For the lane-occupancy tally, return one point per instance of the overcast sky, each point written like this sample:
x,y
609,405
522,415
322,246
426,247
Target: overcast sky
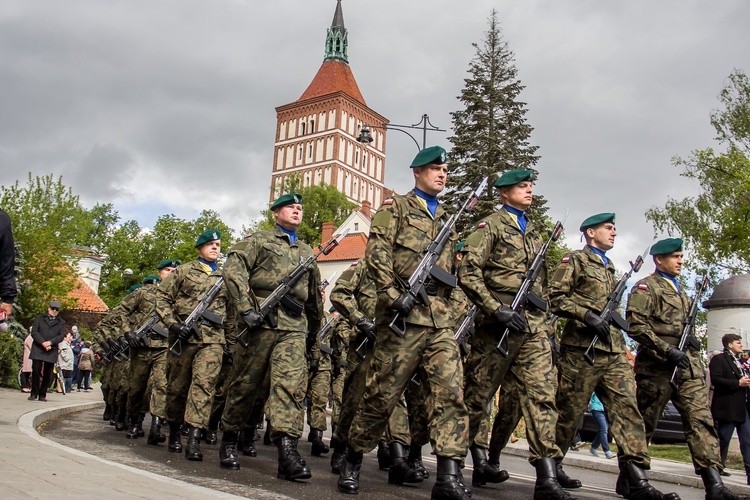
x,y
168,106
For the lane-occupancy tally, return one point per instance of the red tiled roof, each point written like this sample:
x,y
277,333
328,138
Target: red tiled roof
x,y
351,248
87,299
333,76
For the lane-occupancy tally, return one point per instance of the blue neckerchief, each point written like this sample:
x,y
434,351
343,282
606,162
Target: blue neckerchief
x,y
292,234
520,216
431,201
671,278
213,265
600,253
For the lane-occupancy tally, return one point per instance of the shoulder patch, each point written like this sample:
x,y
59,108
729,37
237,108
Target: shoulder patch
x,y
481,225
354,264
388,201
382,219
643,286
565,259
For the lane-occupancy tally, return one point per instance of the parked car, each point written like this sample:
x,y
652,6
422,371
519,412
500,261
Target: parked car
x,y
668,429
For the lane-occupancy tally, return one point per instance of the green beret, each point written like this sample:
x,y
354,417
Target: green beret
x,y
597,219
208,236
286,199
168,263
332,309
134,288
150,279
460,246
666,246
433,154
513,177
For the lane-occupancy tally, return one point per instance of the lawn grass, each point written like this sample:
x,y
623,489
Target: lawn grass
x,y
681,453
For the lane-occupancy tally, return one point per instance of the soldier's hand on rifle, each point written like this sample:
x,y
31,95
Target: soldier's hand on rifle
x,y
598,325
404,304
179,330
510,319
677,357
367,328
123,342
252,319
314,365
132,340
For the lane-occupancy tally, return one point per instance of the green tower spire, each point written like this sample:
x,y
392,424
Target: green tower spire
x,y
336,38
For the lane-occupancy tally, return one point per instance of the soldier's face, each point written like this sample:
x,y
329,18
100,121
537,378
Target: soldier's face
x,y
166,271
518,196
210,251
602,236
431,178
289,216
670,264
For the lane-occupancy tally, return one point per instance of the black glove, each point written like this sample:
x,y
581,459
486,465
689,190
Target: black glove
x,y
367,327
179,330
404,304
510,319
227,356
252,319
132,340
598,325
677,357
314,365
123,343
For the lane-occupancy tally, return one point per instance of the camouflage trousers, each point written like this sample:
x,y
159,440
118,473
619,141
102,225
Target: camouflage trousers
x,y
434,355
105,378
337,390
612,379
419,407
509,413
691,400
319,388
529,365
118,384
220,395
148,367
192,383
280,355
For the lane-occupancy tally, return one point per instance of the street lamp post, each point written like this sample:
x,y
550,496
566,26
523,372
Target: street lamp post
x,y
424,125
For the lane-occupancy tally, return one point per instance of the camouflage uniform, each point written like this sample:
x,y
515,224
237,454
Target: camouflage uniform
x,y
339,364
319,384
193,374
258,264
400,232
656,311
583,283
497,256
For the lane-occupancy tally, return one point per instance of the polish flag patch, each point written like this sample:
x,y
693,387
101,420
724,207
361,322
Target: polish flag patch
x,y
388,201
643,286
565,259
481,225
354,264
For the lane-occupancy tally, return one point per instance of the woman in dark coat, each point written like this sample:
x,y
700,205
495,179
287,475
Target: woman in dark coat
x,y
47,332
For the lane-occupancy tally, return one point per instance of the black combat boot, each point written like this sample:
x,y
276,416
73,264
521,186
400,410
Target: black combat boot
x,y
228,458
267,434
338,457
193,448
415,460
318,446
447,485
121,418
546,486
113,415
139,425
399,471
211,436
154,434
291,465
384,456
247,443
632,483
132,427
715,489
564,480
349,474
107,412
484,472
175,443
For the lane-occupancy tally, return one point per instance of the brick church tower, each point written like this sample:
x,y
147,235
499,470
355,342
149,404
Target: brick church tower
x,y
316,135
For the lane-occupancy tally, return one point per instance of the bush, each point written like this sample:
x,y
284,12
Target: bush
x,y
11,354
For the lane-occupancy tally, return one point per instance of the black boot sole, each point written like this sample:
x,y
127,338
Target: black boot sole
x,y
295,477
230,466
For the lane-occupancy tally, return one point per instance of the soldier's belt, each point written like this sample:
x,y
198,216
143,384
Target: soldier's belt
x,y
437,290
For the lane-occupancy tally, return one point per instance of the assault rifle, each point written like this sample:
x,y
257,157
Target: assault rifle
x,y
149,328
360,350
280,295
325,332
609,314
199,315
465,329
688,339
324,284
525,295
427,269
117,350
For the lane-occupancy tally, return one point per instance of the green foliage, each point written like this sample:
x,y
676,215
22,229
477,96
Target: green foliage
x,y
11,353
491,134
715,224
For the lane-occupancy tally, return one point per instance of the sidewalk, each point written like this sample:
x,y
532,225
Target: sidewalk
x,y
661,470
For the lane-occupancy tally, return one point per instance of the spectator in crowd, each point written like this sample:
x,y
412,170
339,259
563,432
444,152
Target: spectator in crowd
x,y
65,360
602,437
8,290
85,366
26,365
76,344
47,332
729,402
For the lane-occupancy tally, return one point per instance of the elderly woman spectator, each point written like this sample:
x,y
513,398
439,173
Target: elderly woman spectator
x,y
65,360
85,366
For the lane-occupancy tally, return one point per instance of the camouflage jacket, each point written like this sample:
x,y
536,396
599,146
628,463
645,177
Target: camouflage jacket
x,y
138,307
582,283
180,293
256,266
354,295
401,231
495,263
656,312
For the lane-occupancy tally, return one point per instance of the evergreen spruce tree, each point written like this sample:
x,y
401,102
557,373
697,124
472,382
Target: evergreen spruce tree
x,y
491,135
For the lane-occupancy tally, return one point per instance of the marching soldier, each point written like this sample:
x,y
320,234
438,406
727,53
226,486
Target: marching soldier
x,y
579,290
319,386
194,372
498,254
401,231
255,267
657,311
